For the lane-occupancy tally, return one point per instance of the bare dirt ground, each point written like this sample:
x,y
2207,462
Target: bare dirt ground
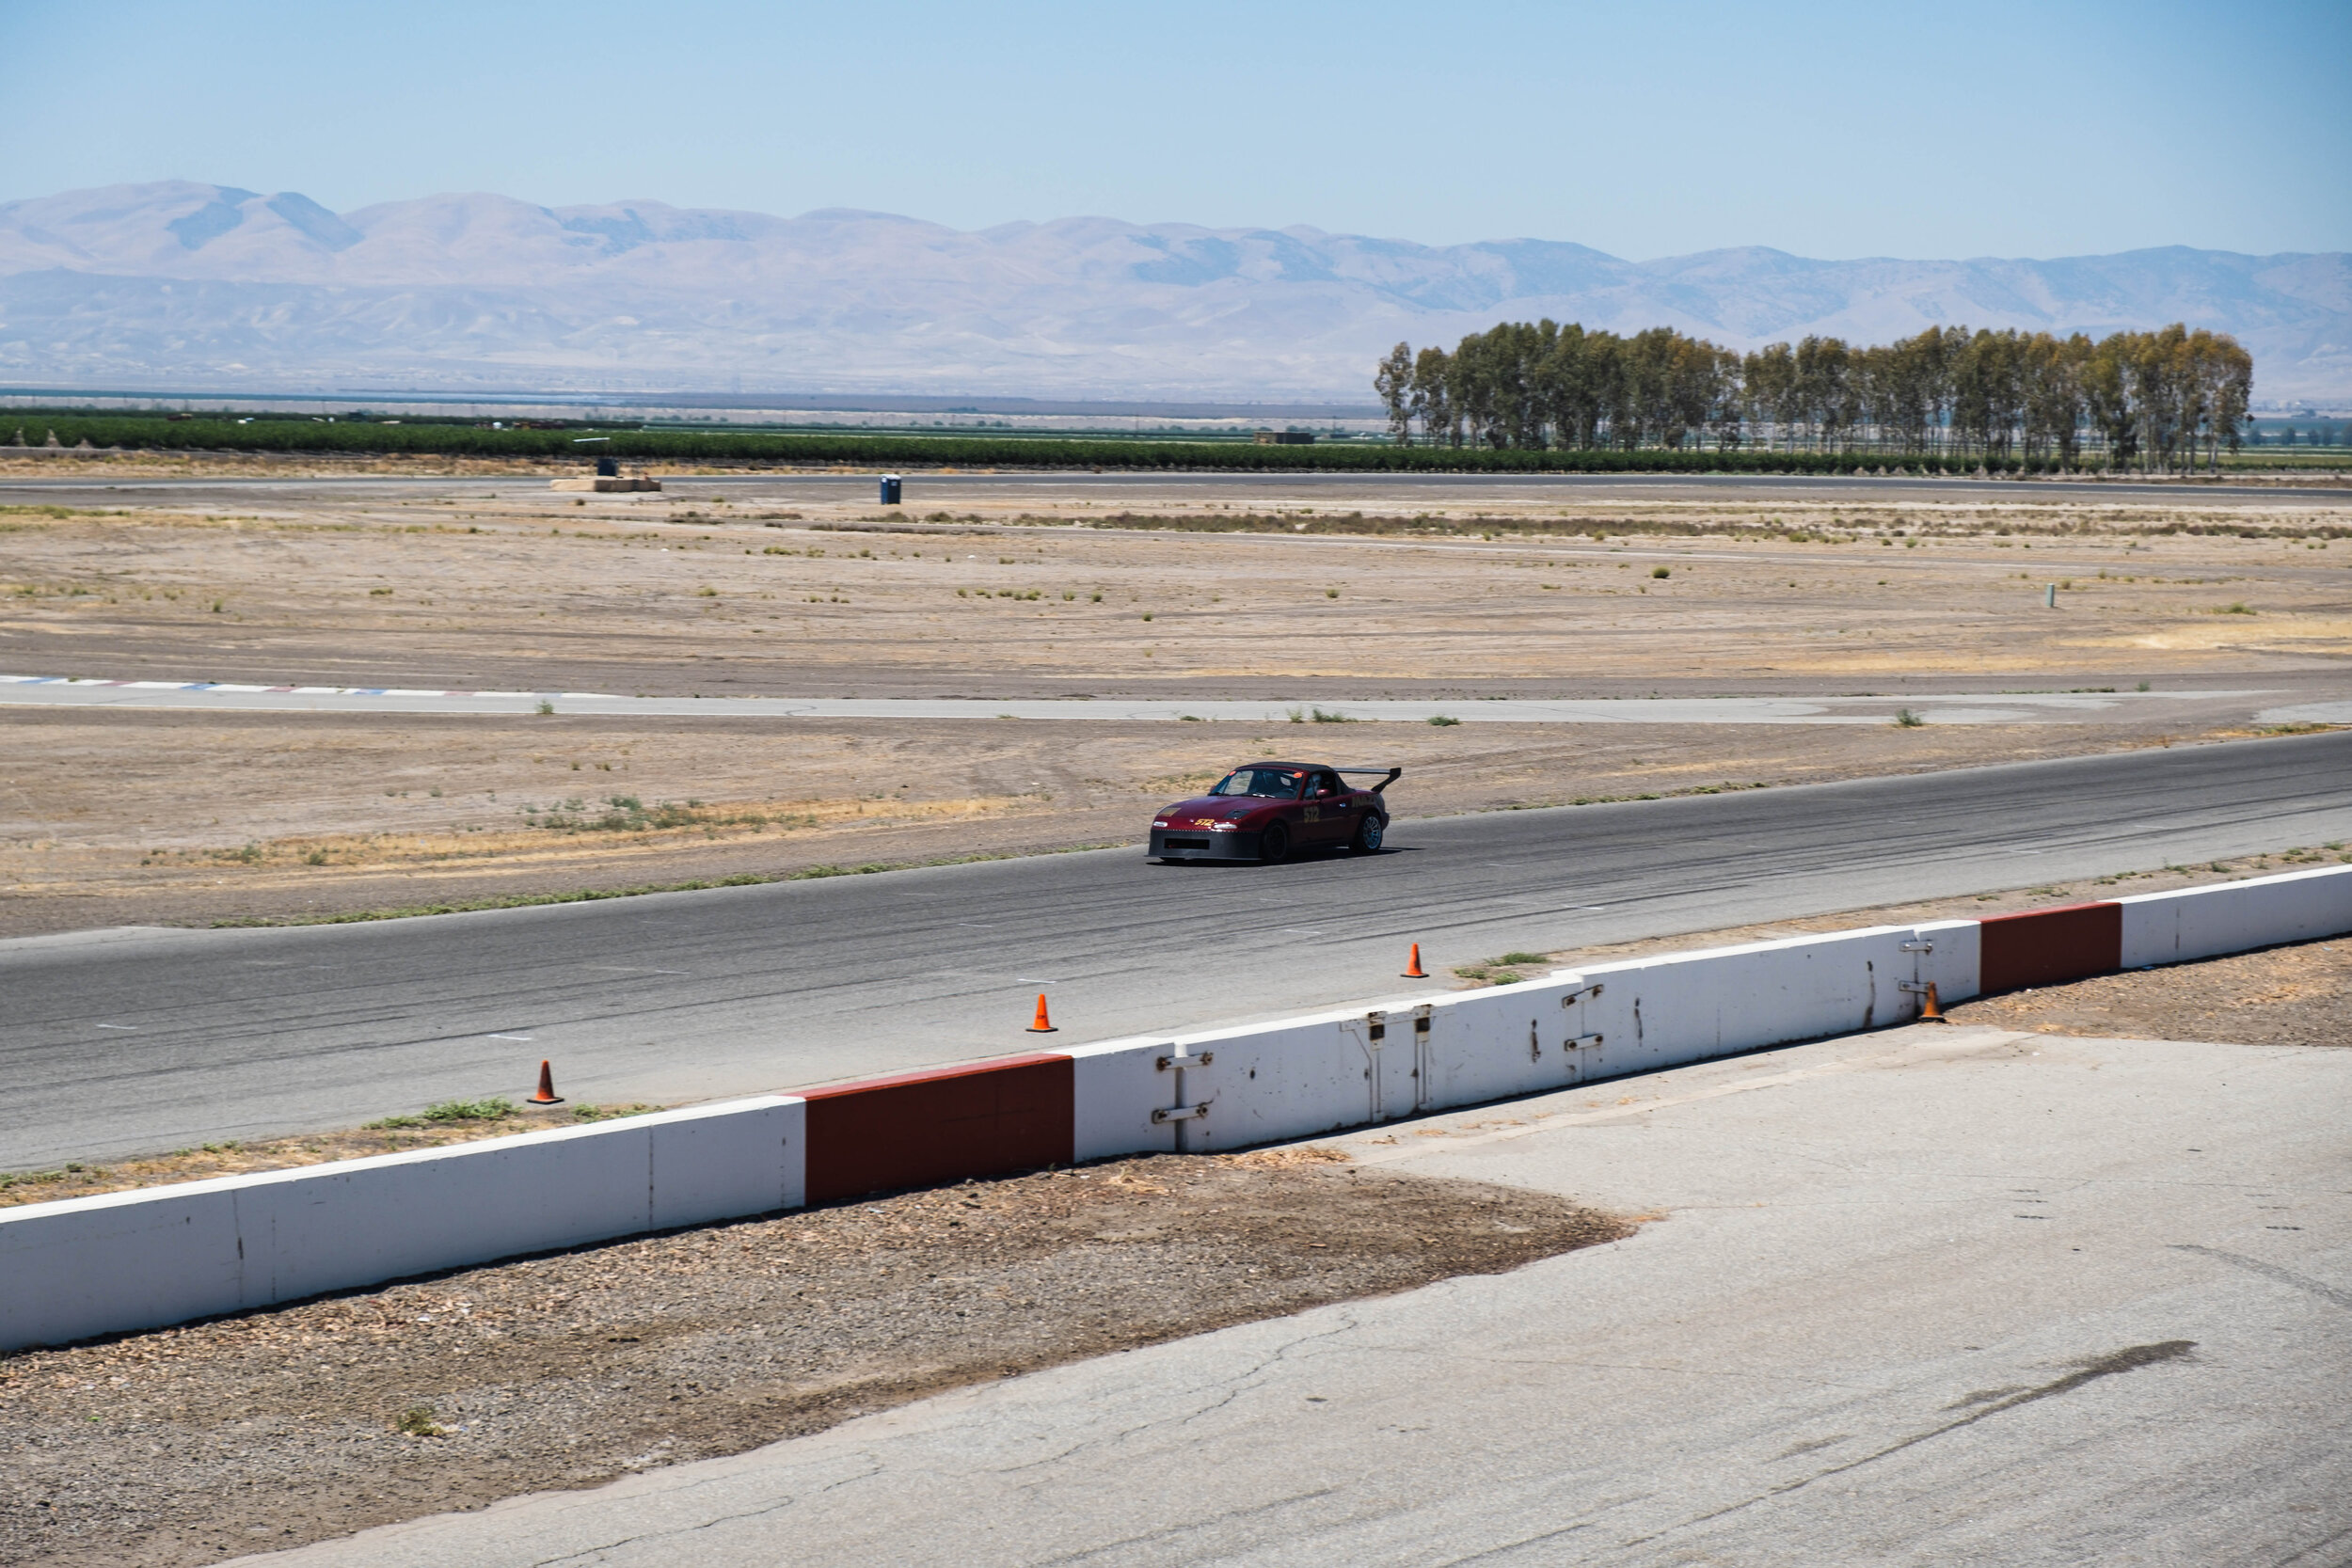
x,y
192,1445
2277,996
123,817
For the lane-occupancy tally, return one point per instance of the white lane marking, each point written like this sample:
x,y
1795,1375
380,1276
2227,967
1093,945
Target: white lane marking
x,y
523,1039
133,1028
637,969
1301,931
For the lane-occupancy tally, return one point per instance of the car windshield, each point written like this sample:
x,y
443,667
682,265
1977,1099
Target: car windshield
x,y
1274,783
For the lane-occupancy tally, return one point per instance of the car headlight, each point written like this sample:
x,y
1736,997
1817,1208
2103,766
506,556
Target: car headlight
x,y
1223,827
1158,824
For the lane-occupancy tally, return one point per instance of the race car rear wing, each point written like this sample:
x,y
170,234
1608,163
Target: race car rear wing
x,y
1393,774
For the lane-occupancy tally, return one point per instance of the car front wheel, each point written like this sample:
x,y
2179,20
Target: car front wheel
x,y
1368,836
1274,844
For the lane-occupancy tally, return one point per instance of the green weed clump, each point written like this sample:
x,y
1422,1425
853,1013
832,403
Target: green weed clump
x,y
1504,971
628,814
417,1422
451,1113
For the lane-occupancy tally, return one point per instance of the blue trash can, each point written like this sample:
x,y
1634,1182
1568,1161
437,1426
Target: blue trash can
x,y
890,489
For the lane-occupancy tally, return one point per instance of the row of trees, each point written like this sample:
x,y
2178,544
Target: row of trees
x,y
2156,400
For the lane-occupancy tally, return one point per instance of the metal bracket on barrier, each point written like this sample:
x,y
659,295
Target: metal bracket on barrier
x,y
1176,1060
1581,1043
1580,993
1918,947
1917,987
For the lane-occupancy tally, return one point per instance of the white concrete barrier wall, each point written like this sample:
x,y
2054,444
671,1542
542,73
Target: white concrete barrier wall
x,y
1264,1082
1681,1008
1114,1088
1289,1079
1491,1044
2233,917
158,1256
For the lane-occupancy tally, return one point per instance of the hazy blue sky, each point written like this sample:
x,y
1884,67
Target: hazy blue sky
x,y
1957,129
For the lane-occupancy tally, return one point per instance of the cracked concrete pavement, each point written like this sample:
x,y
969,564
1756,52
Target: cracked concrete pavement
x,y
1915,1296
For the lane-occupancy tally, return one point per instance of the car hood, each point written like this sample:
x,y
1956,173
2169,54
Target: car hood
x,y
1219,808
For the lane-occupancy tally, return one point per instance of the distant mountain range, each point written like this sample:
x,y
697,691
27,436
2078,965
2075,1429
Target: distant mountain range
x,y
207,286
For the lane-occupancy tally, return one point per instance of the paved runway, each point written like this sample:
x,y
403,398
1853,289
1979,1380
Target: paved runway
x,y
129,1041
1918,1297
2191,709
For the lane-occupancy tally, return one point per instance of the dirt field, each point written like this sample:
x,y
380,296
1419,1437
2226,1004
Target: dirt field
x,y
212,817
192,1445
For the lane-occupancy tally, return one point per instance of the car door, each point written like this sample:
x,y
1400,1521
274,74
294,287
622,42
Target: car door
x,y
1327,817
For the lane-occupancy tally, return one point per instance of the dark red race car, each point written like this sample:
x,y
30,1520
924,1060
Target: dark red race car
x,y
1270,811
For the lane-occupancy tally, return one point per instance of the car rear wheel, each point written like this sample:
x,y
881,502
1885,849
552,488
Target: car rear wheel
x,y
1274,844
1368,834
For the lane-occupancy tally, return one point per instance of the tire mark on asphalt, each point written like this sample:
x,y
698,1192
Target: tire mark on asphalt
x,y
2129,1359
2272,1270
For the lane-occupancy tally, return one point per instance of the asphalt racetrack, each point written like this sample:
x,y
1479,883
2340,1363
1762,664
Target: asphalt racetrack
x,y
131,1041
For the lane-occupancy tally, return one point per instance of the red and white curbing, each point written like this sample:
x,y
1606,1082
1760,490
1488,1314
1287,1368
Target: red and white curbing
x,y
144,1258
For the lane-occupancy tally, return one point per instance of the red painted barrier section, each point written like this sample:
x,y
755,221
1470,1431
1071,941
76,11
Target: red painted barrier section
x,y
925,1129
2044,947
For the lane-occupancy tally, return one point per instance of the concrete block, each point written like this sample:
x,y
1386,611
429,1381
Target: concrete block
x,y
947,1124
2048,947
1115,1087
1952,958
1295,1079
727,1162
1505,1040
359,1222
119,1261
165,1255
2234,917
1683,1008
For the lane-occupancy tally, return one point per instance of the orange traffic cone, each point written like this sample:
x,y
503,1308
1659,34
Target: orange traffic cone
x,y
547,1095
1929,1011
1043,1025
1413,970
